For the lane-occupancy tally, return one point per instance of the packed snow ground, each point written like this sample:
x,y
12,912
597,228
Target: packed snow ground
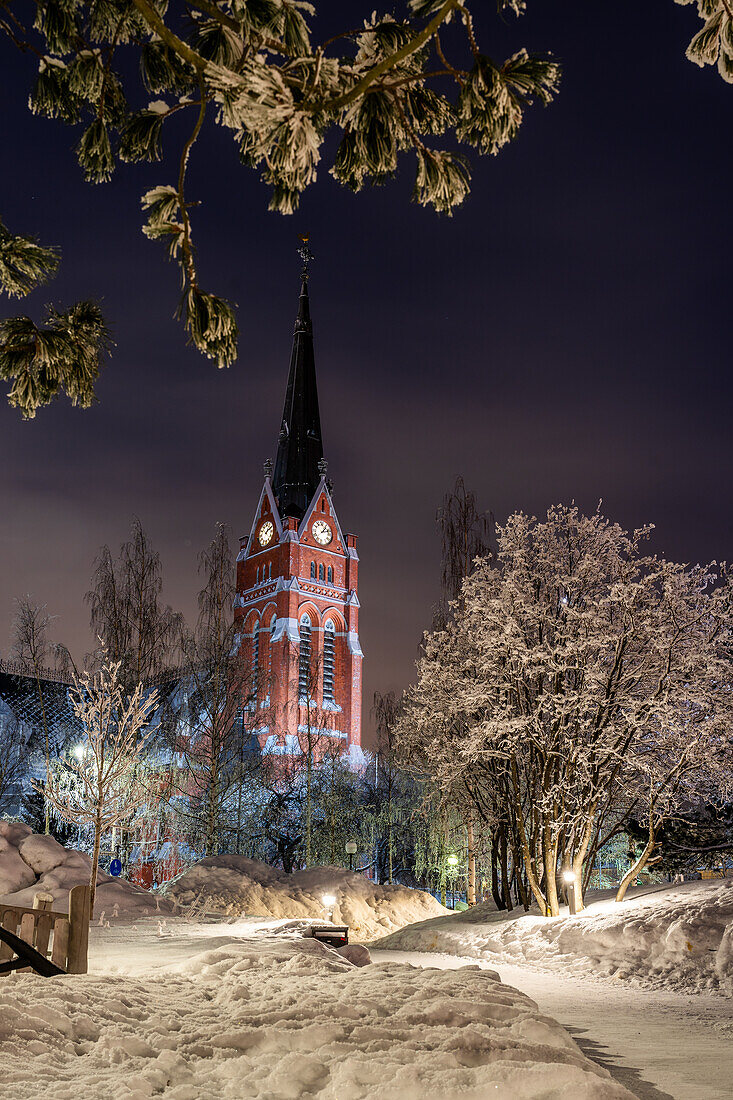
x,y
671,937
659,1044
236,885
253,1010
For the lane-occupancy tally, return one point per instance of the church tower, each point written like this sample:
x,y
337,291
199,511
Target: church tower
x,y
296,607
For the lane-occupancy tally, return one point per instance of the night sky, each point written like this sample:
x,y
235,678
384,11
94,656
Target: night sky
x,y
566,335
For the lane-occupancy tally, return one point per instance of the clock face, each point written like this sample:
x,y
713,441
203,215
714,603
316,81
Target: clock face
x,y
321,532
266,532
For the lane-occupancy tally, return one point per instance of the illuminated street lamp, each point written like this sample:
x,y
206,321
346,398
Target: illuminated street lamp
x,y
570,879
329,902
79,751
452,864
351,851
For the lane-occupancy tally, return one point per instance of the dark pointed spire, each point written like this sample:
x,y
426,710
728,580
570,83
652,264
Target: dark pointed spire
x,y
300,446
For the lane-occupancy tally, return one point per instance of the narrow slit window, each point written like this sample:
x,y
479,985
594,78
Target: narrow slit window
x,y
313,570
321,572
330,574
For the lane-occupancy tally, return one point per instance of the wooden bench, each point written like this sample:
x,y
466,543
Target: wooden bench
x,y
29,938
335,935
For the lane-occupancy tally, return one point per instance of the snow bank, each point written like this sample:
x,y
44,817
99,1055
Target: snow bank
x,y
31,863
675,937
277,1019
239,886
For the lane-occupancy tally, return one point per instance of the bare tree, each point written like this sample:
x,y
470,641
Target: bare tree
x,y
31,647
311,733
139,631
208,726
466,534
385,710
98,786
14,750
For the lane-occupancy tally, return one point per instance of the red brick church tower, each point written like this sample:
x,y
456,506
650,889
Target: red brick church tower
x,y
296,606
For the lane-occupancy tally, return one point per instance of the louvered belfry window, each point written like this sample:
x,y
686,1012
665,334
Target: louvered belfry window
x,y
304,663
329,662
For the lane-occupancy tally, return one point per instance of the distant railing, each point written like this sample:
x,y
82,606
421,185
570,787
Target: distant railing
x,y
21,668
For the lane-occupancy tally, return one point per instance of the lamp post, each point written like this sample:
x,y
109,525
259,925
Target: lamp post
x,y
570,879
350,851
329,903
452,862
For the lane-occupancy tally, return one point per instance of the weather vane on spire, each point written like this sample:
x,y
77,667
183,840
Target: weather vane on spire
x,y
306,255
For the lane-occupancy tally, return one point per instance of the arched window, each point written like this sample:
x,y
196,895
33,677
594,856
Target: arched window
x,y
321,572
313,570
269,572
304,660
330,574
329,661
257,580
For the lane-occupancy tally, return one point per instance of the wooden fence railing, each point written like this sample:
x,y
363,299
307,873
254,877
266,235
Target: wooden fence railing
x,y
62,937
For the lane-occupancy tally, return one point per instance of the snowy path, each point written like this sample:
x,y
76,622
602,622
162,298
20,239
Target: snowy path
x,y
660,1045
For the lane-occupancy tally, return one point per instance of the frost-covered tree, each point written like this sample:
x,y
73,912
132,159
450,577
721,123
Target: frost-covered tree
x,y
99,787
581,681
384,89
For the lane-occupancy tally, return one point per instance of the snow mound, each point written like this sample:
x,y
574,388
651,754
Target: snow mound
x,y
31,863
674,937
41,853
239,886
278,1020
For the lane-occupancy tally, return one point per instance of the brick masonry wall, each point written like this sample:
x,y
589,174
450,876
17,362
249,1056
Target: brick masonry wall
x,y
276,580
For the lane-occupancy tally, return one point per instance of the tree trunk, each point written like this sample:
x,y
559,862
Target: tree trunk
x,y
532,879
47,808
579,857
495,887
505,884
471,845
640,863
95,863
308,808
211,822
549,856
